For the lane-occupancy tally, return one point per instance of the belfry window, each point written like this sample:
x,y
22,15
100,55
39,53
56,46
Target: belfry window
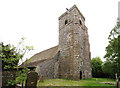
x,y
80,22
66,21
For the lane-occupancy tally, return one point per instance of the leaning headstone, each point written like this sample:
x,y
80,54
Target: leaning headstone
x,y
96,80
42,79
32,78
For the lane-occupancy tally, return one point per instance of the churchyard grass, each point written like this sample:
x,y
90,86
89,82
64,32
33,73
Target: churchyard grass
x,y
84,82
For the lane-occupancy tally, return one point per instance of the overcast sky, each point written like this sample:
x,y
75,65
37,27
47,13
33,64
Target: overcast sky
x,y
37,20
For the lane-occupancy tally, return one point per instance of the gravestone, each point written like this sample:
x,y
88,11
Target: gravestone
x,y
42,79
32,78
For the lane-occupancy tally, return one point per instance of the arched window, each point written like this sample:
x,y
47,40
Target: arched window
x,y
66,21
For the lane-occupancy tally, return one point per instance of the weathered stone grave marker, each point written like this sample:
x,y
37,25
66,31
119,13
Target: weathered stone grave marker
x,y
42,79
32,78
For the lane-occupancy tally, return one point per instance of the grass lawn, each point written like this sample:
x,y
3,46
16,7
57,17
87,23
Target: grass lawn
x,y
84,82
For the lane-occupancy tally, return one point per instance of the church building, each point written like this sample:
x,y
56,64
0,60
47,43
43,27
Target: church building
x,y
71,58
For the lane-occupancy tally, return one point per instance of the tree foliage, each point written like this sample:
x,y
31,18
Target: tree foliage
x,y
97,67
11,56
113,52
109,69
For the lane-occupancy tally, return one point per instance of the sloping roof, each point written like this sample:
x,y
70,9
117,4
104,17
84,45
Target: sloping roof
x,y
71,10
41,57
49,53
31,64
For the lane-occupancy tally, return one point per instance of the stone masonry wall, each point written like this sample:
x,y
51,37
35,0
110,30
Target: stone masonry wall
x,y
75,60
65,46
46,68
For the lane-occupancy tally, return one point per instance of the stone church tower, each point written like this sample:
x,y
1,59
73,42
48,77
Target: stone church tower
x,y
71,58
74,47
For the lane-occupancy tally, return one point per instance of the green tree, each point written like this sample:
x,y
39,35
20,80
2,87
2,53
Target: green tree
x,y
97,67
11,56
109,69
113,50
